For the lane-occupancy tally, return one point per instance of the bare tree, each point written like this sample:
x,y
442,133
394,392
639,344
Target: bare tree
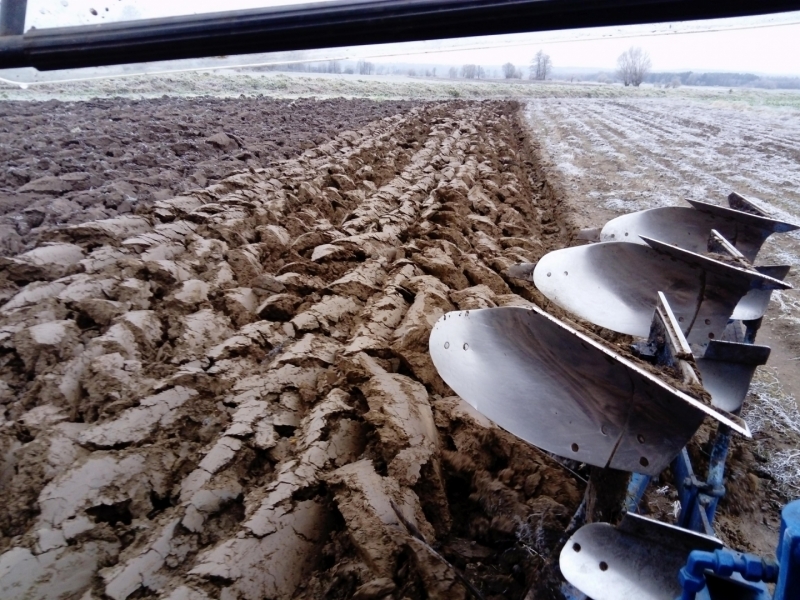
x,y
364,67
541,65
453,72
509,70
334,66
469,71
633,65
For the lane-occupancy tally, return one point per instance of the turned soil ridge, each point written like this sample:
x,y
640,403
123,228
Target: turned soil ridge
x,y
226,393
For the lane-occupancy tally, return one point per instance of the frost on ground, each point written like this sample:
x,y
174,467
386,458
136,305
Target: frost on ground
x,y
224,396
773,412
610,157
637,154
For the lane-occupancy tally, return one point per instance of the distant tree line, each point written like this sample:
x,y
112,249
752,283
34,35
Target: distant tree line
x,y
540,68
728,80
364,67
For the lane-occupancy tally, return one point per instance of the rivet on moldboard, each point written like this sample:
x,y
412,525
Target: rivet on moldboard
x,y
466,346
549,274
575,447
446,345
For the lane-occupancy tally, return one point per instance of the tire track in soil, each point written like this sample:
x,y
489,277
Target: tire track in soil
x,y
222,397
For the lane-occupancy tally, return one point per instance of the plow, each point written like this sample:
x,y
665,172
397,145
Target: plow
x,y
692,300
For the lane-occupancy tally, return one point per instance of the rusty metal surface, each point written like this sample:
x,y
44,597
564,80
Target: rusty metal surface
x,y
563,392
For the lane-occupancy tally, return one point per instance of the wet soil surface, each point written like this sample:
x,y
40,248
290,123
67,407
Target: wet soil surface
x,y
71,162
229,394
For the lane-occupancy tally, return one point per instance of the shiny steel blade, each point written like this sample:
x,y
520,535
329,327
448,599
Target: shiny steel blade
x,y
755,302
689,227
563,392
638,560
727,368
616,284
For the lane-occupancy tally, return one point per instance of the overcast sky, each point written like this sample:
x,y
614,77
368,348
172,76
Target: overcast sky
x,y
754,44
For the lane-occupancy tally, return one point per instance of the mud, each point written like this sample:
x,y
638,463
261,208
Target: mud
x,y
71,162
224,395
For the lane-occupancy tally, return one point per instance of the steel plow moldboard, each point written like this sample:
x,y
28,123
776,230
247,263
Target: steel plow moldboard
x,y
689,227
562,391
615,285
639,559
754,304
727,369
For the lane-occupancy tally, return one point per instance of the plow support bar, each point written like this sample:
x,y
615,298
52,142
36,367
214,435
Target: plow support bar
x,y
341,23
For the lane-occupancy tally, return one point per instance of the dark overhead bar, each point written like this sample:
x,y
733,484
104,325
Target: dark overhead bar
x,y
342,23
12,16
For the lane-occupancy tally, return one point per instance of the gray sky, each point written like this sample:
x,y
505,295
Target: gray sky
x,y
768,44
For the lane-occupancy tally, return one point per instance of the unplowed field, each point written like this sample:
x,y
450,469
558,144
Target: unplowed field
x,y
225,394
608,158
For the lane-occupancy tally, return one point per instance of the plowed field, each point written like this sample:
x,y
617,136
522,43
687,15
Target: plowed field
x,y
214,322
225,394
70,162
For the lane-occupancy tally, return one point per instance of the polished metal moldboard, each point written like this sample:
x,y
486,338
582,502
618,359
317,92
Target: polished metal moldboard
x,y
616,284
727,368
755,302
564,392
638,560
682,226
750,216
689,227
721,280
